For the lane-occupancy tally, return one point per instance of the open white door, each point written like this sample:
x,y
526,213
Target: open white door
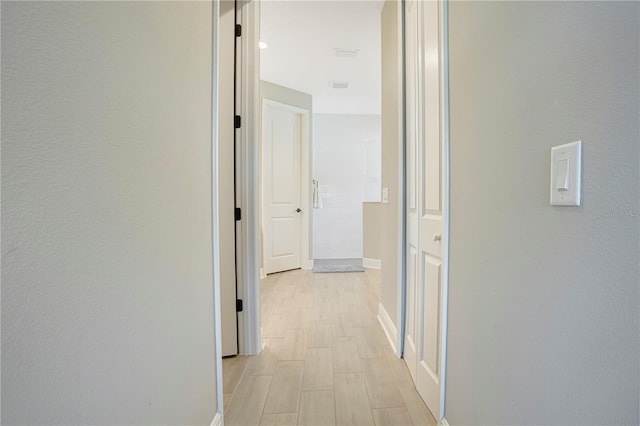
x,y
426,200
282,137
411,339
431,215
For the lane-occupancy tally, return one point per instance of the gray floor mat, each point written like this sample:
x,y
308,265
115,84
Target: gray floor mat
x,y
337,265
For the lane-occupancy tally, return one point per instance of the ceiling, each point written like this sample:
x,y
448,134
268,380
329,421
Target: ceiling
x,y
302,36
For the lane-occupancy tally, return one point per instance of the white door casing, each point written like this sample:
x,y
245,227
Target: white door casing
x,y
283,139
247,176
427,139
225,190
419,257
215,220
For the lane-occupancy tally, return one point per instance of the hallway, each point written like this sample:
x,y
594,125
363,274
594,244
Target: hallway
x,y
326,360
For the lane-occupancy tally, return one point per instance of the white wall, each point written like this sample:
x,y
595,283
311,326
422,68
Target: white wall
x,y
338,166
372,170
543,301
107,301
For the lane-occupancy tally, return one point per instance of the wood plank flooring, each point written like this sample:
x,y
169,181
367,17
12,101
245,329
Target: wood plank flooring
x,y
326,359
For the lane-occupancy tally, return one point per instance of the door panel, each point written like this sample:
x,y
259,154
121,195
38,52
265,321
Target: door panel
x,y
431,317
412,219
423,343
430,244
432,151
282,140
283,145
410,351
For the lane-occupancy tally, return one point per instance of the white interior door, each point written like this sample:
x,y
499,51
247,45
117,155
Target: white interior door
x,y
429,372
282,144
426,197
412,134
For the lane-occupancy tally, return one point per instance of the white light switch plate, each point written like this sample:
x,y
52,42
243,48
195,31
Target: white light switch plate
x,y
385,195
566,165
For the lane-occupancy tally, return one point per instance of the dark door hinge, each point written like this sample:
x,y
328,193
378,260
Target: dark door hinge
x,y
238,213
238,305
238,30
238,121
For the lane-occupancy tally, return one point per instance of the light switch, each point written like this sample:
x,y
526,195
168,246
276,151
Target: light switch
x,y
565,174
385,195
562,175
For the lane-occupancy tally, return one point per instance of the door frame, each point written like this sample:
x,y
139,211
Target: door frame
x,y
248,265
247,177
444,125
215,240
305,175
401,301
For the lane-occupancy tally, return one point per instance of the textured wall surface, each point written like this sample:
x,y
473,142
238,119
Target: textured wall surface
x,y
544,301
107,301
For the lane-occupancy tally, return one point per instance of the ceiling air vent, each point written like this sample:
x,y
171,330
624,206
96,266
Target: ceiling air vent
x,y
345,53
339,84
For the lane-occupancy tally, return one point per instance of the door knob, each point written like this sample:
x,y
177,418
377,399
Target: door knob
x,y
437,237
298,210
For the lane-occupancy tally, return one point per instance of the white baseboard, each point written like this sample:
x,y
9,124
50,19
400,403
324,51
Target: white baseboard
x,y
444,422
217,419
371,263
263,275
308,264
387,325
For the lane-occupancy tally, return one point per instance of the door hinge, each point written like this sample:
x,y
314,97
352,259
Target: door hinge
x,y
238,305
238,30
238,121
238,213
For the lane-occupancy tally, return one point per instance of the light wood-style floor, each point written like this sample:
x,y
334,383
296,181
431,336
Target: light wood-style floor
x,y
326,359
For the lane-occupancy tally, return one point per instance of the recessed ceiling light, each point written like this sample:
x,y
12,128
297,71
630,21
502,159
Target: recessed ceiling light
x,y
263,45
345,53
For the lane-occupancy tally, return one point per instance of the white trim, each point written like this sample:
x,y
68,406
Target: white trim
x,y
443,422
217,419
263,275
306,193
388,326
371,263
249,335
215,220
402,194
305,174
308,264
444,70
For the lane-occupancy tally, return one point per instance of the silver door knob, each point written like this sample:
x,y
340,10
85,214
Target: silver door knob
x,y
298,210
437,237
